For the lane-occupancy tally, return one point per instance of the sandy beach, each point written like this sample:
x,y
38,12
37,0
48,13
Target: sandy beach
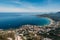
x,y
51,22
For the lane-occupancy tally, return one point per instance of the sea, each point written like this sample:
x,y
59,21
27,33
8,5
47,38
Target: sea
x,y
16,20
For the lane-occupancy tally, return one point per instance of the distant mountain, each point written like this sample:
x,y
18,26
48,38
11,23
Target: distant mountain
x,y
58,12
54,16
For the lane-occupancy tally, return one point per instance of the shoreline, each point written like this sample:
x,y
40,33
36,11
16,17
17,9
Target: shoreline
x,y
51,21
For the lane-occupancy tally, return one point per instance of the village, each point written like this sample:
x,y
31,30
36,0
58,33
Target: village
x,y
32,32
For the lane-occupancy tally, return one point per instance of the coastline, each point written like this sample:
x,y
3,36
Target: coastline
x,y
51,22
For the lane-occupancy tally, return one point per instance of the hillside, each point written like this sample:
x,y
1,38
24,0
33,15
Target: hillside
x,y
54,16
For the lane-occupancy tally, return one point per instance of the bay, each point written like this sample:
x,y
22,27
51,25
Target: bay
x,y
16,20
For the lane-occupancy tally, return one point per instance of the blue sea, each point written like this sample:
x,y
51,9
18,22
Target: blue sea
x,y
16,20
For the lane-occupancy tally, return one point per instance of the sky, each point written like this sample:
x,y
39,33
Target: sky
x,y
29,5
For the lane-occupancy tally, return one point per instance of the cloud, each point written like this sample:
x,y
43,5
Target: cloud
x,y
4,9
28,6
